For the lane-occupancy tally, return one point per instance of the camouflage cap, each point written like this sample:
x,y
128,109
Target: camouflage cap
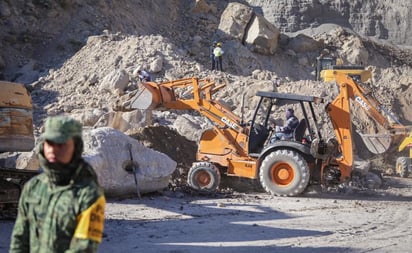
x,y
59,129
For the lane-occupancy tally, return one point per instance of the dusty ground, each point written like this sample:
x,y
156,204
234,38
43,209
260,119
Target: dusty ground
x,y
177,222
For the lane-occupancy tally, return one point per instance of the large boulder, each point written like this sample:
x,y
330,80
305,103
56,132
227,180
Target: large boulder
x,y
354,51
238,21
117,80
262,36
234,21
107,150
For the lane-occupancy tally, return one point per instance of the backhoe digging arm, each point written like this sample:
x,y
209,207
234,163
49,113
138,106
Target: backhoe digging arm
x,y
340,114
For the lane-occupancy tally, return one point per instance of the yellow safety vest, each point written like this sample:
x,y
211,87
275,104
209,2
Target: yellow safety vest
x,y
218,52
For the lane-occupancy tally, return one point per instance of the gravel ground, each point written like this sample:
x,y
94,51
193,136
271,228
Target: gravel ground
x,y
179,222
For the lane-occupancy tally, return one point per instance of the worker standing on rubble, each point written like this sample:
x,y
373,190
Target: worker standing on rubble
x,y
276,82
218,54
61,209
212,56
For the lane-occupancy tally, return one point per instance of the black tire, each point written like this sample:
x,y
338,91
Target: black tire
x,y
203,176
284,173
402,166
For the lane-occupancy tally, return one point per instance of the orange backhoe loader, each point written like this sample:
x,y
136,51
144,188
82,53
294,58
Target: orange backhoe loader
x,y
284,167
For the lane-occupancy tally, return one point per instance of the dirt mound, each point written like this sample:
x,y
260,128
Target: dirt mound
x,y
169,142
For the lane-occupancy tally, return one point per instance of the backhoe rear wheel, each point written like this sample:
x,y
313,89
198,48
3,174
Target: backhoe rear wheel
x,y
402,166
284,173
203,176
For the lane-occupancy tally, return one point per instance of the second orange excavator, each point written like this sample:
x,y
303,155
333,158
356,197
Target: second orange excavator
x,y
237,148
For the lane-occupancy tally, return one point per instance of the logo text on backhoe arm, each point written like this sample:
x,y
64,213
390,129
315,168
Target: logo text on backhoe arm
x,y
362,103
230,123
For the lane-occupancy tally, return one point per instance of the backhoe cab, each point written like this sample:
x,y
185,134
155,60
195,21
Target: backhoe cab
x,y
326,66
285,167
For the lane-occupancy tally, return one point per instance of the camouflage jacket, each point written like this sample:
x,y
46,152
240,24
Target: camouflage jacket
x,y
54,218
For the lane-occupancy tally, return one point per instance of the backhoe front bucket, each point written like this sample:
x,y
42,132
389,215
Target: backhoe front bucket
x,y
151,95
142,100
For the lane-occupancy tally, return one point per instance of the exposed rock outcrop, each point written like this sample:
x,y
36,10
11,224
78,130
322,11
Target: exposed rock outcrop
x,y
387,20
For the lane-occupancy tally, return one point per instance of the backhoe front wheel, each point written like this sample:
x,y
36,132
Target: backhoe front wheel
x,y
284,173
203,176
402,166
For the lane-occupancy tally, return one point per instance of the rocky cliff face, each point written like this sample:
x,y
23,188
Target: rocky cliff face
x,y
386,20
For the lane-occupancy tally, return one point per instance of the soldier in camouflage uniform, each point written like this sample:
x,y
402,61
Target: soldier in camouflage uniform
x,y
61,209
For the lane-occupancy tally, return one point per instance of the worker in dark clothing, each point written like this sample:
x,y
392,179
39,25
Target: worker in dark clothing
x,y
212,56
286,132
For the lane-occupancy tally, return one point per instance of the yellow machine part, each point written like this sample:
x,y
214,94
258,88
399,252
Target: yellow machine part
x,y
14,95
16,118
328,75
407,142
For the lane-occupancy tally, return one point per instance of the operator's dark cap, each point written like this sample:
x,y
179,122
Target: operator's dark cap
x,y
60,129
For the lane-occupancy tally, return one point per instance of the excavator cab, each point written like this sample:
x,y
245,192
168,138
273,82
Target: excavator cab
x,y
322,64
